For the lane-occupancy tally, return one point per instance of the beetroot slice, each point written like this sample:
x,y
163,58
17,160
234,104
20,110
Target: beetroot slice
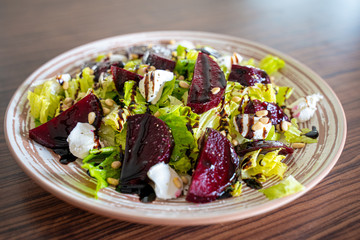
x,y
242,149
216,168
53,134
248,76
276,114
120,76
148,142
207,76
160,62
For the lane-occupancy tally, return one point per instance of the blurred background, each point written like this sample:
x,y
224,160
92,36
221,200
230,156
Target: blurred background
x,y
323,34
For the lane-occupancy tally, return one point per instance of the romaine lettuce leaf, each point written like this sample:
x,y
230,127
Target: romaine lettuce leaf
x,y
271,64
45,100
294,135
237,189
286,187
262,92
265,166
99,166
106,88
133,99
178,117
283,93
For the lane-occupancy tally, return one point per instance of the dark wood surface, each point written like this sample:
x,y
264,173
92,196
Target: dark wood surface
x,y
325,35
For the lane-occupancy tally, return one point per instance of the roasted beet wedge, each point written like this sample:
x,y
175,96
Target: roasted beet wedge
x,y
276,114
216,168
207,77
242,149
120,76
148,142
160,62
248,76
54,133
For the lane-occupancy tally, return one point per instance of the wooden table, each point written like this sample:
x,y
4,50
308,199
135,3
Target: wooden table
x,y
324,35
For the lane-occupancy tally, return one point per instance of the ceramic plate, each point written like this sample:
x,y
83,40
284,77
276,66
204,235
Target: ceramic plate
x,y
72,184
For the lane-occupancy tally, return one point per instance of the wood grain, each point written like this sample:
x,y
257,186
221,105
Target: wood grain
x,y
322,34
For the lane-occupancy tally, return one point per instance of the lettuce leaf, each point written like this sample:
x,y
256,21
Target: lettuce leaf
x,y
117,118
132,65
237,189
177,118
133,99
273,135
185,63
282,94
80,84
106,88
209,119
45,100
271,64
294,135
286,187
98,163
262,92
265,166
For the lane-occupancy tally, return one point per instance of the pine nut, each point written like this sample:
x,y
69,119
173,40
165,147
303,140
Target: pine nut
x,y
112,181
285,125
257,126
116,164
235,142
236,99
106,111
262,113
109,102
181,77
177,182
65,85
215,90
223,133
172,42
264,120
184,84
298,145
68,101
184,180
134,56
157,114
91,117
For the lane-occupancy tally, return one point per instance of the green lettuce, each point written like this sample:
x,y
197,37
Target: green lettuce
x,y
273,135
133,99
132,65
286,187
209,119
237,189
178,117
98,162
185,63
45,100
117,118
265,166
294,135
271,64
80,84
262,92
106,88
250,62
283,93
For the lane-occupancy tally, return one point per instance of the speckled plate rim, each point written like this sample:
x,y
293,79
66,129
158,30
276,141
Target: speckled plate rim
x,y
125,214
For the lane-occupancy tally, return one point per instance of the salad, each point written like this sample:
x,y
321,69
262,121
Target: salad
x,y
171,120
